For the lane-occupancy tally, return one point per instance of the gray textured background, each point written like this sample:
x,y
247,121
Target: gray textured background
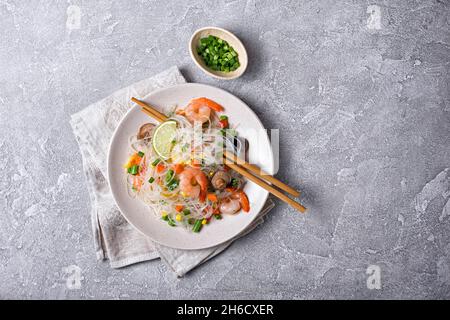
x,y
364,113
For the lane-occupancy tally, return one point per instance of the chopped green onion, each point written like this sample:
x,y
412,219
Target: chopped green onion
x,y
218,54
197,225
151,180
223,117
165,218
154,163
186,212
134,170
173,185
140,154
234,182
171,222
169,176
218,216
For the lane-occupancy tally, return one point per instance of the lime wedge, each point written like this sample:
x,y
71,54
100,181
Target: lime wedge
x,y
163,136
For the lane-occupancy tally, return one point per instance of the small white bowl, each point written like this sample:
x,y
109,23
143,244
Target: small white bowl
x,y
228,37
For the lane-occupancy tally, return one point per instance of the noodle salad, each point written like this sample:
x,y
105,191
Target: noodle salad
x,y
177,167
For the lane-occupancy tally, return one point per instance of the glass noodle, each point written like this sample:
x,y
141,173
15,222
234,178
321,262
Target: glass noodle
x,y
192,144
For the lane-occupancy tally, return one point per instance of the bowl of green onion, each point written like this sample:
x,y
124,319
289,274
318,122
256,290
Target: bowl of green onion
x,y
218,52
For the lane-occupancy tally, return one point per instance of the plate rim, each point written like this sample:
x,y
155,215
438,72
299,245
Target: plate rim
x,y
115,134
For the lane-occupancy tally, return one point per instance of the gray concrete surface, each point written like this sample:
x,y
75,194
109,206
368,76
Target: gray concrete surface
x,y
359,89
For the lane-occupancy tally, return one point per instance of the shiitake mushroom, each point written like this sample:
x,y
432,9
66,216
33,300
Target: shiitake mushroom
x,y
220,180
145,131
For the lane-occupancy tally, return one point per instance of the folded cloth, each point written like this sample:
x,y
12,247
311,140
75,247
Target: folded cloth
x,y
114,238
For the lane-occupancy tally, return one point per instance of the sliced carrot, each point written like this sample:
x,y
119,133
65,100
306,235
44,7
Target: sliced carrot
x,y
179,207
243,199
178,168
212,197
133,160
160,167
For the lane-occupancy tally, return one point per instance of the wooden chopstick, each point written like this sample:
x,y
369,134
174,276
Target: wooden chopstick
x,y
148,113
155,113
257,172
266,186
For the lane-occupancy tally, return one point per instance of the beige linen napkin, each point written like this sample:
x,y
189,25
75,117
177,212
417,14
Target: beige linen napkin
x,y
115,239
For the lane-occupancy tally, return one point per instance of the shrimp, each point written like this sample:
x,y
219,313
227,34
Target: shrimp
x,y
230,206
193,183
235,202
242,198
199,109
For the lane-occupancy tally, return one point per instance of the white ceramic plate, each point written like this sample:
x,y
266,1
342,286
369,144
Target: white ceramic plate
x,y
140,215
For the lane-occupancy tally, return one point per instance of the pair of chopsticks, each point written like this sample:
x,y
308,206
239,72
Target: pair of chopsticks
x,y
250,171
